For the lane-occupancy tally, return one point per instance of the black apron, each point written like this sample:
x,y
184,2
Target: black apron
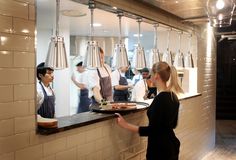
x,y
105,84
47,108
121,95
84,101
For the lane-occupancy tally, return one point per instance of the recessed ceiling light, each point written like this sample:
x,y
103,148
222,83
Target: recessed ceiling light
x,y
136,35
73,13
97,24
114,7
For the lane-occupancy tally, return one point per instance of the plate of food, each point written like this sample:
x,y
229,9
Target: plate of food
x,y
113,107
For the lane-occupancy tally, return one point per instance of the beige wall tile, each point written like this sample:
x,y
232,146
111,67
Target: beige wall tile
x,y
77,139
7,127
23,124
85,149
27,1
14,109
14,8
32,76
6,94
24,59
12,143
34,153
16,42
53,157
68,155
22,26
38,139
31,12
24,92
7,156
54,146
32,107
93,134
5,24
6,59
13,76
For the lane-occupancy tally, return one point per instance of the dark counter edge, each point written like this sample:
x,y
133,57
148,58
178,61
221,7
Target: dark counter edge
x,y
86,118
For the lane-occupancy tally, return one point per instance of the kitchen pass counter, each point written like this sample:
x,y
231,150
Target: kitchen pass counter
x,y
89,118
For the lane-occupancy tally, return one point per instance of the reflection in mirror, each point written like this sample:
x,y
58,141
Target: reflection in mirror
x,y
74,27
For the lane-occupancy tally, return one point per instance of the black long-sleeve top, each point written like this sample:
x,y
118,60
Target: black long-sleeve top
x,y
163,117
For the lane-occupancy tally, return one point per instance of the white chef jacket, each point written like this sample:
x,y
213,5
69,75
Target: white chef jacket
x,y
82,78
93,78
137,77
40,95
139,91
116,77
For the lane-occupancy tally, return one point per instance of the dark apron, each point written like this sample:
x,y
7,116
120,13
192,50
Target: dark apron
x,y
121,95
152,92
84,101
47,108
105,84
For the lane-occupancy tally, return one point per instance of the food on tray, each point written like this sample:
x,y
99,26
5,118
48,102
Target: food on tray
x,y
118,106
46,122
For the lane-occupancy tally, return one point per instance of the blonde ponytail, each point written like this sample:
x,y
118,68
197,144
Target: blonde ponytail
x,y
173,81
168,74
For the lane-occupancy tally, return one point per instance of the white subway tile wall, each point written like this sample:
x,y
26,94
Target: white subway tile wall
x,y
103,140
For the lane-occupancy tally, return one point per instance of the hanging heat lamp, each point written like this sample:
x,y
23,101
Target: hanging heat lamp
x,y
188,58
92,58
179,57
155,55
120,58
56,57
139,60
167,56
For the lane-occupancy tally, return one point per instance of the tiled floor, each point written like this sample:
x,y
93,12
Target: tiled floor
x,y
225,141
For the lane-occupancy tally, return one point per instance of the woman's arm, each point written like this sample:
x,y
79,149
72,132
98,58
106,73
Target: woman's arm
x,y
122,122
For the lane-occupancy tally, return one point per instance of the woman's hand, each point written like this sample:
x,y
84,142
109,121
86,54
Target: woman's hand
x,y
121,121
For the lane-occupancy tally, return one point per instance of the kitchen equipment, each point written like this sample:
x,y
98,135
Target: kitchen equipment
x,y
167,56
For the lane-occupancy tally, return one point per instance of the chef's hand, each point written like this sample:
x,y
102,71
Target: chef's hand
x,y
121,121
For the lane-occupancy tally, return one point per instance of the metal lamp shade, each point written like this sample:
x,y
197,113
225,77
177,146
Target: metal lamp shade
x,y
139,60
92,57
179,60
120,58
154,57
56,57
167,57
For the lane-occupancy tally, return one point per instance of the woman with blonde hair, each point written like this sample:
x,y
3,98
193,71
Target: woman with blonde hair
x,y
162,115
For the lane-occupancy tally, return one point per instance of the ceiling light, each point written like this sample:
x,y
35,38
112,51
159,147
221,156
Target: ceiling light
x,y
220,4
167,56
136,35
120,58
92,57
220,12
56,57
155,56
139,60
96,24
114,8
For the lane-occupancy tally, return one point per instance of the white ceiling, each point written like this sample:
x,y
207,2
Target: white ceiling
x,y
81,25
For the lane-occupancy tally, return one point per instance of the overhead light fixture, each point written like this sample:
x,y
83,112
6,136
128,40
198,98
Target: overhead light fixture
x,y
120,58
96,24
179,57
56,57
188,58
92,58
167,56
220,12
139,60
136,35
155,55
